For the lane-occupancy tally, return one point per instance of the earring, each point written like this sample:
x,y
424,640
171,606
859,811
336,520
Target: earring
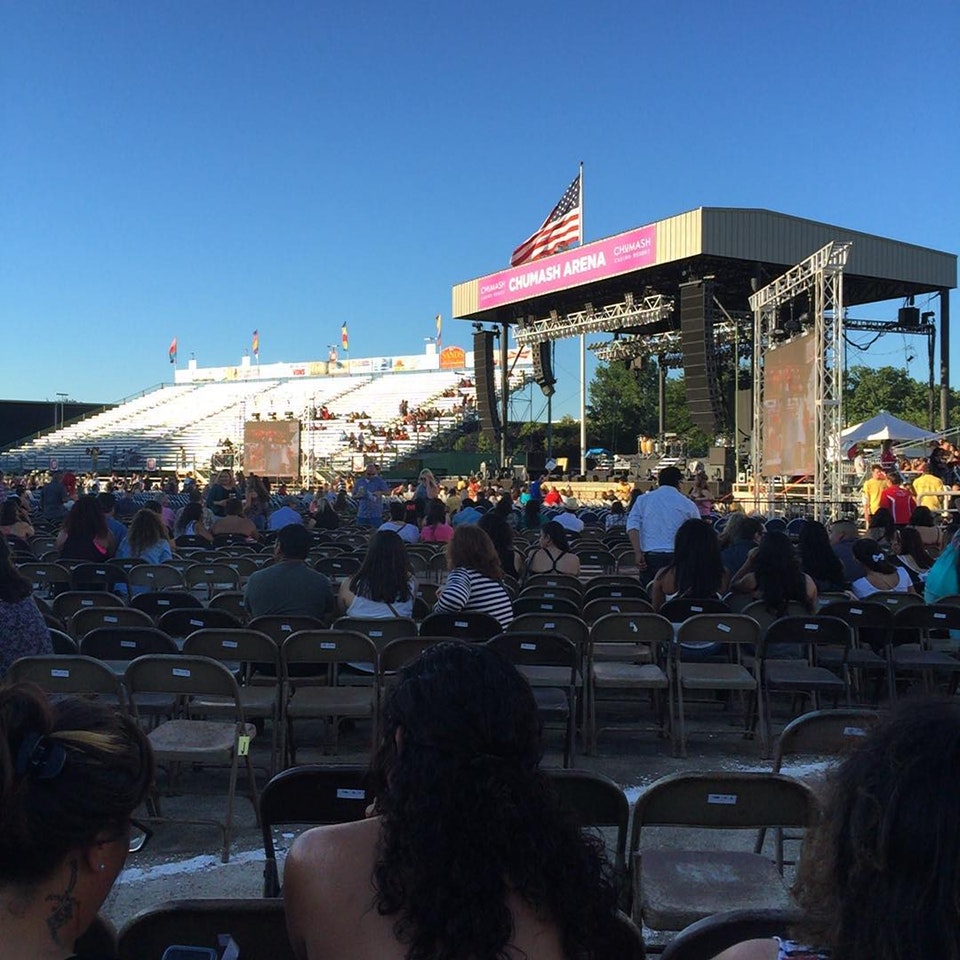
x,y
103,866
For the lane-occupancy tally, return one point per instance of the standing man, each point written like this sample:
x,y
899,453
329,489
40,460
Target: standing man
x,y
53,498
928,488
898,500
368,491
872,491
654,520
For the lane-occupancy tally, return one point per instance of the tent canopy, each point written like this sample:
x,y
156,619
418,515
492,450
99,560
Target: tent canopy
x,y
884,426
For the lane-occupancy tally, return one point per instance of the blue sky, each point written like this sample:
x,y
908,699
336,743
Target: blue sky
x,y
204,169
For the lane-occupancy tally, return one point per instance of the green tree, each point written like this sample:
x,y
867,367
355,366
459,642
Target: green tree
x,y
677,419
866,391
623,406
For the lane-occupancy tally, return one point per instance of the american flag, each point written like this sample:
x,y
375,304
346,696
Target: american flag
x,y
560,229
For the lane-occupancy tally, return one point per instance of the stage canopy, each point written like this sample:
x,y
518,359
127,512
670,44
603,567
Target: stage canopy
x,y
884,426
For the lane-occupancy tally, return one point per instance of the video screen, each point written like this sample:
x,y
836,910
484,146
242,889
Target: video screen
x,y
789,391
272,447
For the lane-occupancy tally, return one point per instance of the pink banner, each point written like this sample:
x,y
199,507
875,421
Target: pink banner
x,y
593,261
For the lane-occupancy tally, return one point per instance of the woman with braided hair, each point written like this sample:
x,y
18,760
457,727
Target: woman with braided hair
x,y
467,853
71,775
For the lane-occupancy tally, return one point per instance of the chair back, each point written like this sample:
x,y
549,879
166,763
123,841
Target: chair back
x,y
233,644
328,647
824,732
465,624
709,937
96,576
66,674
90,618
279,627
603,606
554,580
631,628
126,643
682,608
181,675
181,623
66,604
232,602
567,625
257,926
158,603
62,642
549,605
155,576
895,601
47,579
381,631
802,635
398,653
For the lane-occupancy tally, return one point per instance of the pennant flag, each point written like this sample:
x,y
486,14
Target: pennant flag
x,y
439,323
173,350
344,339
559,230
256,344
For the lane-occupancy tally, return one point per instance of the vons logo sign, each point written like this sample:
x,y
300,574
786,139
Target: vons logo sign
x,y
452,357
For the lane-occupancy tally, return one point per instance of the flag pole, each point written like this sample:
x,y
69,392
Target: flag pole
x,y
583,363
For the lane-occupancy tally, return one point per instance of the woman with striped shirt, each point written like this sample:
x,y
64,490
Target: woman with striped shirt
x,y
475,581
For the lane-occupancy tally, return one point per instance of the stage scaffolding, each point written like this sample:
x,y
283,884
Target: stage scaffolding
x,y
820,279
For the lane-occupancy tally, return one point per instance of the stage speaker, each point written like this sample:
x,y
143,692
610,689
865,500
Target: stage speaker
x,y
485,377
721,463
543,367
908,316
700,374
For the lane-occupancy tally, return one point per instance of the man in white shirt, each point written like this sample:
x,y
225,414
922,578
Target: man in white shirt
x,y
654,520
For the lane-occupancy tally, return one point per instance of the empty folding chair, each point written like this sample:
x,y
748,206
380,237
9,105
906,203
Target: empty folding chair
x,y
914,649
181,623
91,618
465,624
157,604
155,576
69,675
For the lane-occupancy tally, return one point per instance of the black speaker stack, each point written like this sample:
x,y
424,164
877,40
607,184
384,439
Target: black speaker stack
x,y
700,374
485,378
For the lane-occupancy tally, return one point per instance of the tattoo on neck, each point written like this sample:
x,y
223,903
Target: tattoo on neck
x,y
64,905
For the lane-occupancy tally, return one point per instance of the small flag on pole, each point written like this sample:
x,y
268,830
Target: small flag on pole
x,y
559,230
439,324
256,344
344,339
173,350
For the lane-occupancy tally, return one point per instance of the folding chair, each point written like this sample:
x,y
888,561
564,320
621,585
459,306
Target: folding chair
x,y
551,593
675,886
155,576
66,604
550,605
324,696
602,606
682,608
126,643
310,794
181,623
872,625
157,604
550,662
97,576
595,562
464,624
338,568
62,642
188,739
232,602
257,927
47,579
805,675
91,618
278,628
922,656
895,601
553,580
627,655
211,578
381,631
66,675
261,697
709,937
597,801
729,634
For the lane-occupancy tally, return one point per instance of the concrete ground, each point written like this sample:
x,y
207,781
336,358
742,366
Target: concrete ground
x,y
183,861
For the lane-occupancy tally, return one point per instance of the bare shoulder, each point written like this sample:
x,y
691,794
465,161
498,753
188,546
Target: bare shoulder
x,y
751,950
332,846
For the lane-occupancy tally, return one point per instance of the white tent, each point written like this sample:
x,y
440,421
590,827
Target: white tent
x,y
884,426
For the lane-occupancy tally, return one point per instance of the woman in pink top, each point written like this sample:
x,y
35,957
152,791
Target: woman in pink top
x,y
435,527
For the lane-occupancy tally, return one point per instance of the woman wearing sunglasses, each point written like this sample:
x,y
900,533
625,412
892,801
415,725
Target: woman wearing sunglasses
x,y
71,775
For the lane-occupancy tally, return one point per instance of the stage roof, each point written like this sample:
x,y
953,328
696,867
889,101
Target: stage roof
x,y
735,246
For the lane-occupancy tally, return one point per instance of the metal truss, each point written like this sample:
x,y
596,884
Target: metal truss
x,y
649,310
820,277
668,346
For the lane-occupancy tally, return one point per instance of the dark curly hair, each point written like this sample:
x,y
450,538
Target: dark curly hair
x,y
817,557
385,573
776,567
698,568
879,878
468,819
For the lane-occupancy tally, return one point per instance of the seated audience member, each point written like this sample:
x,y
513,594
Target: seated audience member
x,y
190,522
532,518
435,527
553,553
910,553
740,535
146,540
234,523
617,517
818,560
494,524
879,573
551,496
568,518
697,569
881,527
23,631
289,587
324,516
467,852
475,581
72,772
879,875
384,586
14,521
84,534
843,535
930,533
398,524
285,515
772,573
